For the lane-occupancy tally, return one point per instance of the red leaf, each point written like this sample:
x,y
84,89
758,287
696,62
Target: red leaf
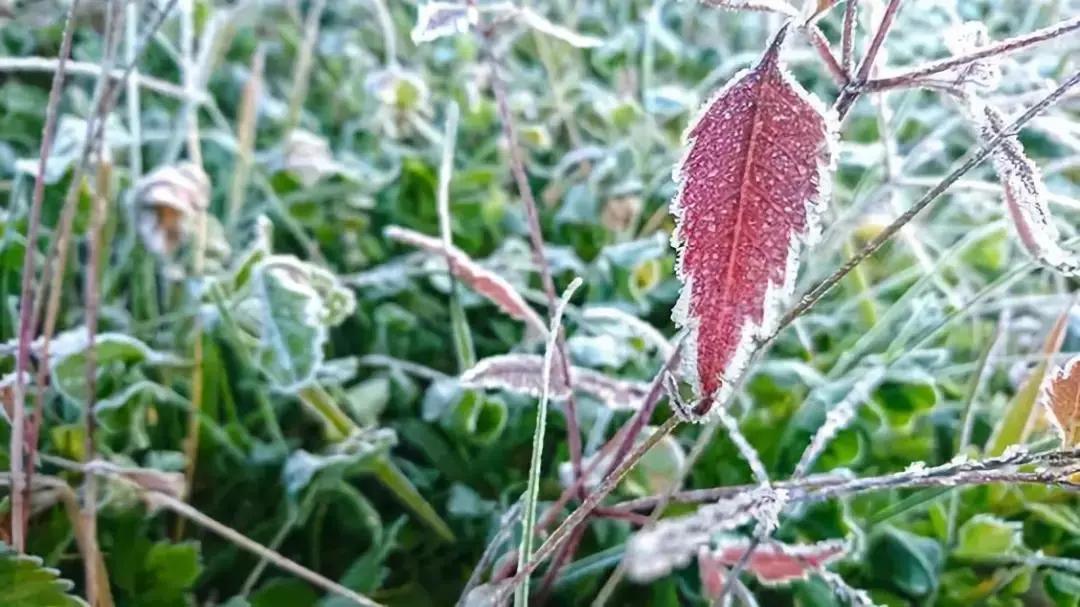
x,y
751,187
772,562
522,373
479,278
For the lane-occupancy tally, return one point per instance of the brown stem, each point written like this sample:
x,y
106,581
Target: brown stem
x,y
821,45
847,38
536,239
851,93
27,319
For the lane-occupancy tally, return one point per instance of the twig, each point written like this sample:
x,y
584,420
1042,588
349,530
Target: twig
x,y
818,290
591,502
27,319
821,45
847,37
82,68
852,91
97,584
1005,46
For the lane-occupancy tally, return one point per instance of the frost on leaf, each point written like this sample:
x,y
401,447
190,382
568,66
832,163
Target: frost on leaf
x,y
776,562
674,542
522,373
1061,398
751,187
479,278
1025,193
438,19
768,6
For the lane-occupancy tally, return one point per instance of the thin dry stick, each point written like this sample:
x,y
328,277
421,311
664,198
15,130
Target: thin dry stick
x,y
131,39
245,136
1005,46
188,512
97,585
58,250
302,70
191,444
536,239
27,319
83,68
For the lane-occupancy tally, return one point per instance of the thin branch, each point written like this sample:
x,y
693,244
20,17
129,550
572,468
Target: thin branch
x,y
852,91
27,319
821,45
847,37
82,68
818,291
1001,48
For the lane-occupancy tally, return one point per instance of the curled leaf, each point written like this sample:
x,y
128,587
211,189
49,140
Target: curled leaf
x,y
751,187
1025,193
672,543
479,278
1061,398
522,373
168,200
776,562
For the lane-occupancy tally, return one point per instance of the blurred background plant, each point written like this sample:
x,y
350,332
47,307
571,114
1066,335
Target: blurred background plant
x,y
265,353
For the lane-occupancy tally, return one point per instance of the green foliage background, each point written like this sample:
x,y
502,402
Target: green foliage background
x,y
393,481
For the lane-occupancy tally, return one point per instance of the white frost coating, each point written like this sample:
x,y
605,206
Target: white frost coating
x,y
771,6
541,24
1026,198
312,311
837,419
436,20
638,327
775,295
673,543
835,548
521,373
745,448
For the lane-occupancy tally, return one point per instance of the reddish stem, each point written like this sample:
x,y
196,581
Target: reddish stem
x,y
821,45
851,93
26,317
847,39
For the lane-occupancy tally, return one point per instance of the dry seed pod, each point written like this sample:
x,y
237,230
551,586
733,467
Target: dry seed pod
x,y
168,202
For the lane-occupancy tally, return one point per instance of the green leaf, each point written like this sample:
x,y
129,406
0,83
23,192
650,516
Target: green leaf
x,y
173,566
985,537
1063,588
25,582
68,359
902,402
284,592
291,334
905,560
